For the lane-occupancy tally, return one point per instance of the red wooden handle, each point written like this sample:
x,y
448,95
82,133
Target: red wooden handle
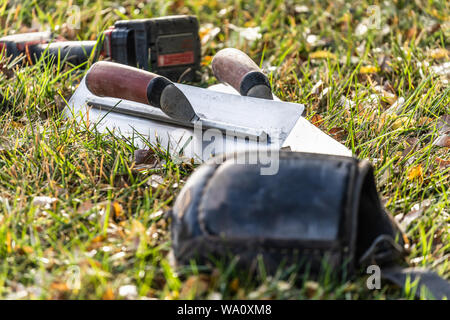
x,y
109,79
231,65
234,67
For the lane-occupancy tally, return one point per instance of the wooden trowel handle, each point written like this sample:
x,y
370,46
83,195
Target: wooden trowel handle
x,y
109,79
235,68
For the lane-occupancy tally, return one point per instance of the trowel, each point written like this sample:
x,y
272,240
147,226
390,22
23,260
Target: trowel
x,y
195,123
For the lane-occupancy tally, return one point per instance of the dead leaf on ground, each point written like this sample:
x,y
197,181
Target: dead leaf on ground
x,y
144,156
442,163
443,124
59,286
415,172
108,295
442,141
369,69
338,133
196,285
317,120
118,213
439,53
24,249
322,54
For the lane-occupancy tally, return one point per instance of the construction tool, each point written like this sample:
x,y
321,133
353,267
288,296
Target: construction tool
x,y
33,45
106,79
117,100
169,46
235,68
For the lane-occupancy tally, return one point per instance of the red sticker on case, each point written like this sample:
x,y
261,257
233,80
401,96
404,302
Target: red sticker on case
x,y
174,59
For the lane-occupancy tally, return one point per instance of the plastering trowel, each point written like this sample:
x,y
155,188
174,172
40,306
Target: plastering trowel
x,y
193,122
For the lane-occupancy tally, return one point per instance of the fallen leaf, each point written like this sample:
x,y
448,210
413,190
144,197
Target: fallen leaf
x,y
412,32
385,96
415,172
108,295
443,124
442,141
401,123
85,206
24,249
99,238
207,60
144,156
316,119
118,213
196,285
424,121
397,106
444,164
59,286
439,53
369,69
321,54
338,133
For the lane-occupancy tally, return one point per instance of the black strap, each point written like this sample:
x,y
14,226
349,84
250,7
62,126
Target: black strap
x,y
427,281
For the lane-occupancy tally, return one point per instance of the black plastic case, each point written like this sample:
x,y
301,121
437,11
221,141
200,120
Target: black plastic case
x,y
168,46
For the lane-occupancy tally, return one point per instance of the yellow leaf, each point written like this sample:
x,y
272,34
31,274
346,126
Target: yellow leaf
x,y
117,210
206,60
415,172
249,24
25,249
99,238
439,53
369,69
108,295
400,122
59,286
321,54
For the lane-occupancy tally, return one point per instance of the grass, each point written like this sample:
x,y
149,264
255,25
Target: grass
x,y
100,233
